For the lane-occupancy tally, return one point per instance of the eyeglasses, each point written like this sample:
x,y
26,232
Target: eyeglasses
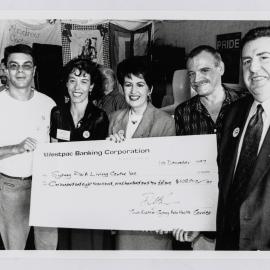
x,y
15,66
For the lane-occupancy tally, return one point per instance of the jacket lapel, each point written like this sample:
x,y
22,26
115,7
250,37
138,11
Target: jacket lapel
x,y
145,126
238,120
121,121
262,164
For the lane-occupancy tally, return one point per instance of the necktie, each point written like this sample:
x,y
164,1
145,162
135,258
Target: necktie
x,y
249,151
244,170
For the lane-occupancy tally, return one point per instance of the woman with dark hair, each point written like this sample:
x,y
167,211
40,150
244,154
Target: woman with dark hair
x,y
80,120
140,119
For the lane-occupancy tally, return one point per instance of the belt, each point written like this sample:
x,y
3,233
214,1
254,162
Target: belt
x,y
16,177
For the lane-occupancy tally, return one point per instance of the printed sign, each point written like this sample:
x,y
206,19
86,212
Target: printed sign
x,y
229,47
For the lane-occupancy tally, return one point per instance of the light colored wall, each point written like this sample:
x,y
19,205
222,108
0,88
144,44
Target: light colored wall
x,y
192,33
189,34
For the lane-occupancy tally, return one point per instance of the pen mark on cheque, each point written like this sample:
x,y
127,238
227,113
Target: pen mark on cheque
x,y
152,199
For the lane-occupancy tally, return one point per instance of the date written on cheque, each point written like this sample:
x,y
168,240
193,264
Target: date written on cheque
x,y
180,162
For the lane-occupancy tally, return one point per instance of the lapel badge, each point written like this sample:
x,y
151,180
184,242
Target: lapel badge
x,y
86,134
236,132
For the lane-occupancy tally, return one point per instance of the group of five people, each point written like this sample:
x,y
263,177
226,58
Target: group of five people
x,y
28,117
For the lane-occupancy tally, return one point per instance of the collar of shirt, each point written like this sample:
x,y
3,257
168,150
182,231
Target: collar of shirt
x,y
265,105
68,115
266,123
228,96
265,115
201,108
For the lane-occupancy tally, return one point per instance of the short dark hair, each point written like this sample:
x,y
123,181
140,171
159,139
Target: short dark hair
x,y
254,34
205,48
18,48
89,67
136,65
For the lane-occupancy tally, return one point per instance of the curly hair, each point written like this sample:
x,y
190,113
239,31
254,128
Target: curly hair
x,y
89,67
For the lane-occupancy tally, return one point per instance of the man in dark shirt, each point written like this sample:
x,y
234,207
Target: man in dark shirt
x,y
204,113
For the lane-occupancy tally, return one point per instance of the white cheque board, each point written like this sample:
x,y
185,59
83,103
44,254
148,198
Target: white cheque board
x,y
139,184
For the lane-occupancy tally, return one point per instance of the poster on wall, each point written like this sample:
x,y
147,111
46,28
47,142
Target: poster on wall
x,y
229,47
87,46
88,41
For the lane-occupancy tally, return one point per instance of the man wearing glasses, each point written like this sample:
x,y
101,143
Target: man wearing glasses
x,y
24,121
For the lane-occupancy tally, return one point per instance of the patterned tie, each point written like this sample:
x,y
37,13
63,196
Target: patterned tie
x,y
249,151
243,172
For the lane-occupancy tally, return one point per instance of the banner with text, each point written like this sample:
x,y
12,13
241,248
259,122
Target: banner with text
x,y
16,31
229,47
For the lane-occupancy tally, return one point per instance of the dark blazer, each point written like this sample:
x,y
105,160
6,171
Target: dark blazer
x,y
255,209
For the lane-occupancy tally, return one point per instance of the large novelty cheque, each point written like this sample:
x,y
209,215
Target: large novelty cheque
x,y
139,184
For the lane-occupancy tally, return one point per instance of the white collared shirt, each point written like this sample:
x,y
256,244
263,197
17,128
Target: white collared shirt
x,y
266,124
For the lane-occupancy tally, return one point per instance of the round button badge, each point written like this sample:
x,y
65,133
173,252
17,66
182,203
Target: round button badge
x,y
86,134
236,132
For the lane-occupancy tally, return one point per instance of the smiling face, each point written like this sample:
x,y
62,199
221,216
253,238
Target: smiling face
x,y
79,85
205,73
256,67
136,91
20,70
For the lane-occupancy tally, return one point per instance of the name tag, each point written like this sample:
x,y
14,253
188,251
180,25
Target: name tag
x,y
63,134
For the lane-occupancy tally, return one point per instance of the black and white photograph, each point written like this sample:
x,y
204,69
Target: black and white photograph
x,y
134,141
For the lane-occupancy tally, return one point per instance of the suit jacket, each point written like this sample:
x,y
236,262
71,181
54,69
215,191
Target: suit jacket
x,y
155,123
255,209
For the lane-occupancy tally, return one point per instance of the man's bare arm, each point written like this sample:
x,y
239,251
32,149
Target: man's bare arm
x,y
29,144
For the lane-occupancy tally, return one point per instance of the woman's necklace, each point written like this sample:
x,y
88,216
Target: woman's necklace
x,y
134,118
77,119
